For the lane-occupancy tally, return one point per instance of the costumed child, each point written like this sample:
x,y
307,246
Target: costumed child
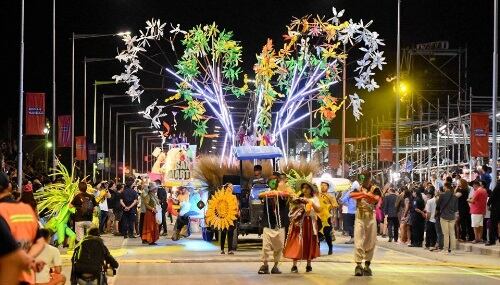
x,y
328,205
274,221
302,242
365,225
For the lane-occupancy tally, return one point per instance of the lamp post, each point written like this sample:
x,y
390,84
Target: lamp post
x,y
73,38
46,132
131,129
495,95
117,117
104,97
110,129
398,74
125,124
137,134
21,100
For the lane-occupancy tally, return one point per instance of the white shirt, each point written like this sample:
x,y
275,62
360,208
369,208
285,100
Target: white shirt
x,y
430,208
51,256
104,203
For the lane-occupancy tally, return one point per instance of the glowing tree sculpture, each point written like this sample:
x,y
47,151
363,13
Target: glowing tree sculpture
x,y
300,72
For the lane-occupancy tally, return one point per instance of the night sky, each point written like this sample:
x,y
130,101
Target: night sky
x,y
462,23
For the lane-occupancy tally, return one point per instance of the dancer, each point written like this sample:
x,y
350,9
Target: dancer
x,y
365,226
275,221
328,205
302,242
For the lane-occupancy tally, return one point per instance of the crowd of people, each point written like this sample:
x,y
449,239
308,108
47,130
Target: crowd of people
x,y
432,214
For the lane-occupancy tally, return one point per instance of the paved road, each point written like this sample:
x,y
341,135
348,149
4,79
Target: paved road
x,y
192,261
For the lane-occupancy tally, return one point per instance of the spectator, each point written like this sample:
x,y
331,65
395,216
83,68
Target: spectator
x,y
478,209
162,198
101,195
114,205
51,273
418,219
486,176
391,213
25,233
90,258
84,204
405,217
142,205
464,217
129,200
430,214
349,216
27,195
494,205
448,206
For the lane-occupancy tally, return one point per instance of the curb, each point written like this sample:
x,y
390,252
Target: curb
x,y
479,249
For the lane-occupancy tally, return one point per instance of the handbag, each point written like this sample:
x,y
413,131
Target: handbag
x,y
158,214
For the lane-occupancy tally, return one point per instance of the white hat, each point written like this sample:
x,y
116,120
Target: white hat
x,y
355,185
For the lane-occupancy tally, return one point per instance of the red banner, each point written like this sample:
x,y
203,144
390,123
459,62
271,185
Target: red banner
x,y
385,146
480,124
64,131
35,113
334,156
81,148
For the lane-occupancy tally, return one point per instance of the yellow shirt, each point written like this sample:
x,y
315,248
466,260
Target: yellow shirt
x,y
328,203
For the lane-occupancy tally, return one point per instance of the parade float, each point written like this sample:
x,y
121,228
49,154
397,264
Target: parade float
x,y
289,79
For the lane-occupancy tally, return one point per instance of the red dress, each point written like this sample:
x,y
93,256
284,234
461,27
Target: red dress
x,y
302,242
151,230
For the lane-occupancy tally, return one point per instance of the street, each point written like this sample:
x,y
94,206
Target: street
x,y
193,261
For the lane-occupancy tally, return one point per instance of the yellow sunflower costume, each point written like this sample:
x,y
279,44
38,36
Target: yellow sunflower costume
x,y
222,209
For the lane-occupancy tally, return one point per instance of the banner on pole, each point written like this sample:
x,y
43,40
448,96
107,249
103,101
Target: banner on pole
x,y
334,155
35,114
81,148
385,146
479,146
64,131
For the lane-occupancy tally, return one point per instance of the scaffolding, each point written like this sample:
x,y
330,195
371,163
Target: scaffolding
x,y
435,124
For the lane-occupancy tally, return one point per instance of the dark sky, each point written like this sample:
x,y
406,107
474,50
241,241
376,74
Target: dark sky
x,y
462,23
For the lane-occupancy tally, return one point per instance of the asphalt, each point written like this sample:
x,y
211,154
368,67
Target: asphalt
x,y
193,261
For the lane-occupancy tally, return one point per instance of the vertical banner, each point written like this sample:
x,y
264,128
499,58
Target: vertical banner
x,y
385,146
35,114
479,146
81,148
334,155
64,131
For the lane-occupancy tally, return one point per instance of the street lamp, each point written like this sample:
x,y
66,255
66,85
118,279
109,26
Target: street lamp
x,y
110,120
131,129
46,131
117,117
73,38
125,123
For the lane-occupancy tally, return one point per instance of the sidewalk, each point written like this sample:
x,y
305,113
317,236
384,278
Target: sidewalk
x,y
481,249
460,257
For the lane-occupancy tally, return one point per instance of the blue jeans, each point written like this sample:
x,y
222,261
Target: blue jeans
x,y
128,220
102,220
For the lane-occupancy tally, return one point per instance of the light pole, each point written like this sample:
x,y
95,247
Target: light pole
x,y
54,85
117,118
137,134
495,94
398,74
46,132
110,129
73,38
125,124
21,100
131,129
104,97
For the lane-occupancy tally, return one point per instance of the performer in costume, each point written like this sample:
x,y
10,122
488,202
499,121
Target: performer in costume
x,y
365,226
326,215
275,221
302,242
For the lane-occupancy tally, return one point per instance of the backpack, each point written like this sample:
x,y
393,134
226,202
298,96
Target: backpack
x,y
87,207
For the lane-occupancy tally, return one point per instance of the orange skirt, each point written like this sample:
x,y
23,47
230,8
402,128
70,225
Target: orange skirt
x,y
151,230
305,248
